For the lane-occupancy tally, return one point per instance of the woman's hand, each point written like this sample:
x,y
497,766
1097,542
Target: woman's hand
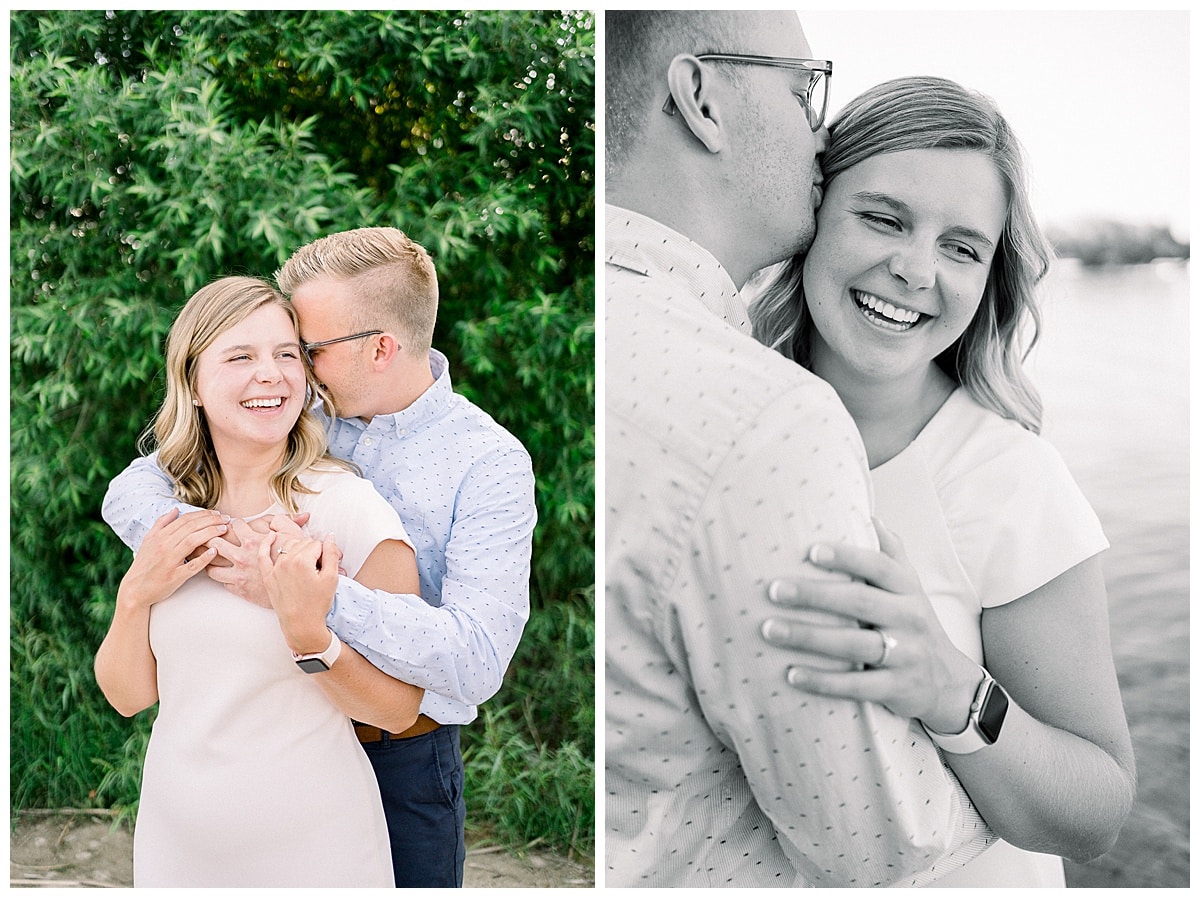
x,y
909,663
125,666
171,554
236,564
300,577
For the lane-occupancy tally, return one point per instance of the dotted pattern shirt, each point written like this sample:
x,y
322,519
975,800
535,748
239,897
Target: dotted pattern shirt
x,y
724,463
463,487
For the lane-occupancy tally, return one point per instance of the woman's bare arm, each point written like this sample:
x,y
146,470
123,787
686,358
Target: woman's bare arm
x,y
358,688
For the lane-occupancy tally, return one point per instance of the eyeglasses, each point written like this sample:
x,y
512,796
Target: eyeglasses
x,y
309,347
813,98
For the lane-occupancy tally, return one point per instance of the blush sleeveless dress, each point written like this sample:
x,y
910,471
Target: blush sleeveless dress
x,y
252,776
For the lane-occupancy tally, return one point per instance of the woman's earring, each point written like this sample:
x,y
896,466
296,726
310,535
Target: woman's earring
x,y
196,402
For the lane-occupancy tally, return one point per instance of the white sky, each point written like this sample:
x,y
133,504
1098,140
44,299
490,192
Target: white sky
x,y
1100,99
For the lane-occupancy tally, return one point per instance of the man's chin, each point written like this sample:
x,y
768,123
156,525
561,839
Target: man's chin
x,y
785,247
331,401
804,239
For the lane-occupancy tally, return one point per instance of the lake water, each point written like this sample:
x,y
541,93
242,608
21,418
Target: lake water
x,y
1113,367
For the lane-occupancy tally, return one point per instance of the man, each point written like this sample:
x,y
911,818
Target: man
x,y
723,466
463,486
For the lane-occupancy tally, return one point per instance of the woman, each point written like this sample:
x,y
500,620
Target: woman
x,y
253,775
910,304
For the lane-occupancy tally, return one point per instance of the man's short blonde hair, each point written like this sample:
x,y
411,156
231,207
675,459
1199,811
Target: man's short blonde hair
x,y
392,277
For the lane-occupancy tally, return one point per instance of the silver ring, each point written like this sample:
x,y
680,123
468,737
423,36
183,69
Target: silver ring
x,y
888,645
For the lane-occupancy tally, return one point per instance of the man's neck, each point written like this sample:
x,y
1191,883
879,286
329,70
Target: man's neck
x,y
699,221
405,384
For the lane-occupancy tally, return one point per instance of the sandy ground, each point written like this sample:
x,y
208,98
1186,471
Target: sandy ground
x,y
83,851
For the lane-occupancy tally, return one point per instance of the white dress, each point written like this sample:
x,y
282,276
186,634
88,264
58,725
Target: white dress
x,y
252,776
987,513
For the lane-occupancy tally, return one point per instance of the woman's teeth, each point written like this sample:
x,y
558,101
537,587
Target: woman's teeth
x,y
884,313
262,403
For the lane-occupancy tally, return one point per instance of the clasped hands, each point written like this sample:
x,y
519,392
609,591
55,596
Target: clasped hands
x,y
270,562
880,630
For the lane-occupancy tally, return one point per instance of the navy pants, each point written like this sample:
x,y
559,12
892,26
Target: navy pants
x,y
421,782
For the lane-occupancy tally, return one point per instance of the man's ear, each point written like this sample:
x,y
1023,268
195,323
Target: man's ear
x,y
696,100
386,349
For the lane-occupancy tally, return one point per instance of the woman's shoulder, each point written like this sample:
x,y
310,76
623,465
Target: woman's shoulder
x,y
325,477
988,467
967,438
335,489
1016,516
345,502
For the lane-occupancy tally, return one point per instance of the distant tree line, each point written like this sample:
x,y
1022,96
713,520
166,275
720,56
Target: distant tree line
x,y
1105,242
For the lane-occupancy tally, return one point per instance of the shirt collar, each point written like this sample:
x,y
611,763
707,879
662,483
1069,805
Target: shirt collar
x,y
647,247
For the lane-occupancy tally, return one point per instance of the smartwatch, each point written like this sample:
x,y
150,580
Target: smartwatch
x,y
321,661
983,726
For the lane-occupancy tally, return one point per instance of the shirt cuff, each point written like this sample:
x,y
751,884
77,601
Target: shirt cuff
x,y
351,607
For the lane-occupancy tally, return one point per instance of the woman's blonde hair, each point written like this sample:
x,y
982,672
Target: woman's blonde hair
x,y
934,113
179,430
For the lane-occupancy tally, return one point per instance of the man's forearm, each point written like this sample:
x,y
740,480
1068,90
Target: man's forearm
x,y
136,498
446,650
458,641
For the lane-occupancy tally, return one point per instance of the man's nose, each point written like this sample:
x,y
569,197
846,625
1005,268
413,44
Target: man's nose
x,y
821,136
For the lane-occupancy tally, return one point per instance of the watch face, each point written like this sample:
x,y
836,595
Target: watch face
x,y
312,665
991,715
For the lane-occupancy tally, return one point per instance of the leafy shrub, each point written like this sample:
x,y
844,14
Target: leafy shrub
x,y
154,151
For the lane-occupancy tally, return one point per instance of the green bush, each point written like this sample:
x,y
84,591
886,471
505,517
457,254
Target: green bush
x,y
154,151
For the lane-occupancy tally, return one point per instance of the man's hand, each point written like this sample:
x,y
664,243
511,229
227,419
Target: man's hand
x,y
236,564
300,577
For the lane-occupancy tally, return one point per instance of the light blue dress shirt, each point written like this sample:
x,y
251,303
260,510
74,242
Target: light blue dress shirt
x,y
464,488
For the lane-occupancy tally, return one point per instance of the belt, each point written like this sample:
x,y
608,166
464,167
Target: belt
x,y
367,733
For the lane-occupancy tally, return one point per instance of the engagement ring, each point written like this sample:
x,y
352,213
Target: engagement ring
x,y
888,645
